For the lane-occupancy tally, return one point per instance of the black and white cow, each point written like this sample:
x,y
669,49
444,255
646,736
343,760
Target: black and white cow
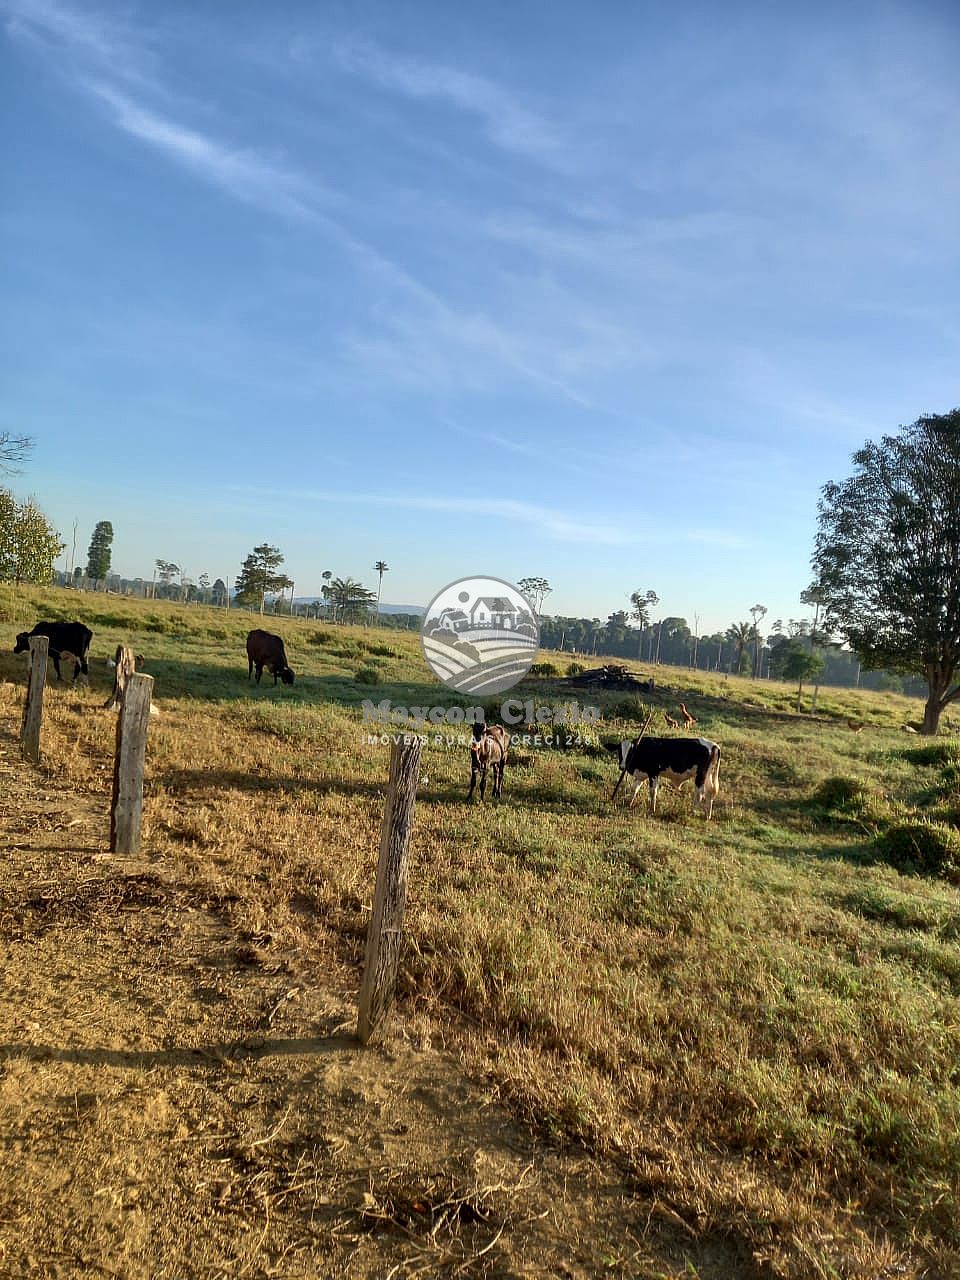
x,y
65,637
675,760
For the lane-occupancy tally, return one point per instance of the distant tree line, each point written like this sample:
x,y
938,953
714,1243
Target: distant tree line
x,y
734,651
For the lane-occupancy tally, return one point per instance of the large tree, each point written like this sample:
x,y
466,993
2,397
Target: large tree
x,y
260,574
29,544
536,591
98,555
643,603
887,556
166,571
795,662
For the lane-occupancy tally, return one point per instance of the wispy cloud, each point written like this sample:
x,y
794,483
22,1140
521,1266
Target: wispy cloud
x,y
46,20
506,120
550,523
243,173
546,521
414,335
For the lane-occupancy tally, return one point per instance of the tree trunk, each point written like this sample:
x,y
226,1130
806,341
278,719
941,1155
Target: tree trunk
x,y
931,712
939,695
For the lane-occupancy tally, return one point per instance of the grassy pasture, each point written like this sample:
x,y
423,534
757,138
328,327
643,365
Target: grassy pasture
x,y
757,1018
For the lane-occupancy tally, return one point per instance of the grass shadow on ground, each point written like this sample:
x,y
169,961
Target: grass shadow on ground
x,y
198,780
252,1048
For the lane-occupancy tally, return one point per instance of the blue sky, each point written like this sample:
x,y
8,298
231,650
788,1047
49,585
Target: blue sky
x,y
598,293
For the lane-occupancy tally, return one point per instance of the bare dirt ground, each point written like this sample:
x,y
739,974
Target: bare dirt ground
x,y
171,1108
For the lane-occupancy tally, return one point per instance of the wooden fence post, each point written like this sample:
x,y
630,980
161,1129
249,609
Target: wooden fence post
x,y
127,808
125,665
33,707
390,895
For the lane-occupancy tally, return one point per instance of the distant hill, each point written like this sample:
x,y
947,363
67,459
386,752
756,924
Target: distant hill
x,y
403,608
418,609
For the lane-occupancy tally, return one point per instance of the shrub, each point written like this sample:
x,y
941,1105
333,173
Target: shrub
x,y
322,637
922,848
576,669
844,795
367,675
382,651
626,709
544,669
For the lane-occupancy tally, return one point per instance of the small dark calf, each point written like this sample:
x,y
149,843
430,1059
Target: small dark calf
x,y
488,750
266,650
72,638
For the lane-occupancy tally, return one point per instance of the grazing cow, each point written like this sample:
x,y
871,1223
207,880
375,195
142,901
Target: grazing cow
x,y
265,650
72,638
674,759
488,748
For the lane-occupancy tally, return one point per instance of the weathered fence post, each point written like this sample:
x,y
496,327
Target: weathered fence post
x,y
127,807
33,707
390,895
125,665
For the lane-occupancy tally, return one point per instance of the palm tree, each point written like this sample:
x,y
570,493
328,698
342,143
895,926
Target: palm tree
x,y
757,613
740,635
381,567
350,599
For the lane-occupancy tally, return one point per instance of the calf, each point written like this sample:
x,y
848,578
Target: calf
x,y
265,650
488,748
674,759
72,638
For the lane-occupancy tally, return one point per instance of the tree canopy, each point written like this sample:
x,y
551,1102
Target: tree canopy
x,y
535,590
260,574
98,556
887,556
801,664
29,544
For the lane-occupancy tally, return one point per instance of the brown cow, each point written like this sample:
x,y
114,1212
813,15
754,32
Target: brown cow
x,y
266,650
489,747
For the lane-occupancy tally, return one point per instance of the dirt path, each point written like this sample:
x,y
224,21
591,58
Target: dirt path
x,y
169,1108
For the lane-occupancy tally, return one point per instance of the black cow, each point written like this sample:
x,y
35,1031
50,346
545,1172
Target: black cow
x,y
674,759
72,638
265,650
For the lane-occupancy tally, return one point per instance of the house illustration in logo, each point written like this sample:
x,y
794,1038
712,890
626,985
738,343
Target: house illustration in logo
x,y
479,635
494,611
450,620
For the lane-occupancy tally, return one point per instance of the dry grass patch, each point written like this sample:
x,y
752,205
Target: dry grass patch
x,y
749,1022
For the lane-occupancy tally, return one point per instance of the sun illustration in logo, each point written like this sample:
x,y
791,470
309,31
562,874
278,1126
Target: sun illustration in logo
x,y
479,635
